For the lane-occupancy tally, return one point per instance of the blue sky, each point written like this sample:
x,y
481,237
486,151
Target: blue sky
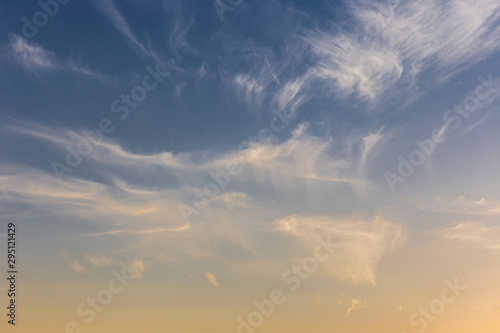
x,y
374,121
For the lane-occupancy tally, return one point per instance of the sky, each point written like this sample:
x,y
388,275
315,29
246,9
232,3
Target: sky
x,y
251,166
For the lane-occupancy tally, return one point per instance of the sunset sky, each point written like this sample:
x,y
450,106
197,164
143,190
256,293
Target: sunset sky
x,y
251,166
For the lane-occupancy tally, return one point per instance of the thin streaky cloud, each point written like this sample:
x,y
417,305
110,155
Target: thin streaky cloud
x,y
100,260
120,23
74,264
33,56
474,234
309,152
464,206
140,232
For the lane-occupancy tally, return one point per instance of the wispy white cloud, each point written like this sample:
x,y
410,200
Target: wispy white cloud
x,y
350,68
212,279
361,244
137,269
254,87
356,304
398,44
30,54
100,260
121,24
302,156
179,38
293,94
463,205
75,265
233,198
395,51
78,68
106,152
370,143
303,166
474,234
251,89
33,56
477,225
